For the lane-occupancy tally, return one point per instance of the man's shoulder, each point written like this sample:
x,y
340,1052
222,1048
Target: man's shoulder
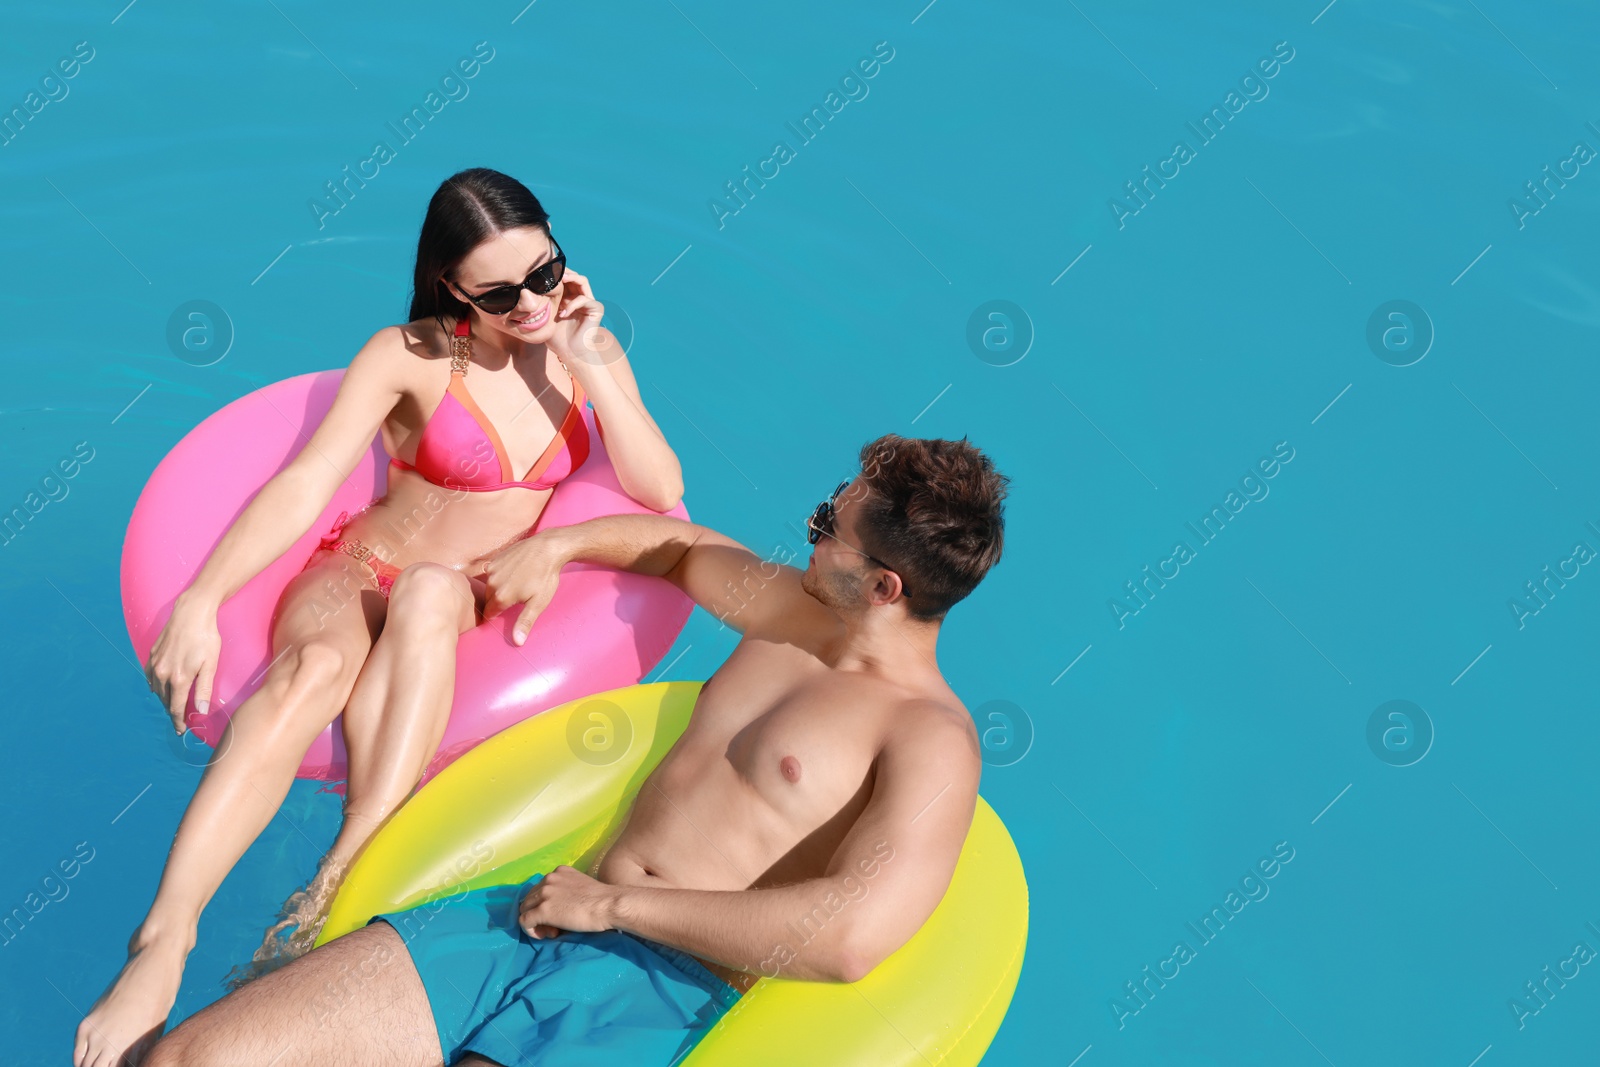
x,y
935,726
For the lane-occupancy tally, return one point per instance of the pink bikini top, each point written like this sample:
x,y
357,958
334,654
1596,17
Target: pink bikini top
x,y
459,448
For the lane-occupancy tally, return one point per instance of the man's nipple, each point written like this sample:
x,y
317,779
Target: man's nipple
x,y
790,766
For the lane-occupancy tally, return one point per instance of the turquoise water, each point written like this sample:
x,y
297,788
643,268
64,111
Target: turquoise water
x,y
1235,319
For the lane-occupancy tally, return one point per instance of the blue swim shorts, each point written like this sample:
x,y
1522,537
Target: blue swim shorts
x,y
574,1000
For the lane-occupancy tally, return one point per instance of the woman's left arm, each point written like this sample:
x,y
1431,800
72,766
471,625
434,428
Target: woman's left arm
x,y
645,464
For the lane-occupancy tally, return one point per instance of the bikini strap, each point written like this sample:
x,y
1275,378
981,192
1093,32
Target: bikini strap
x,y
461,348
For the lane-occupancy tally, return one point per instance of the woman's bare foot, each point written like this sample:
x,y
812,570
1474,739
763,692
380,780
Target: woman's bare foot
x,y
132,1012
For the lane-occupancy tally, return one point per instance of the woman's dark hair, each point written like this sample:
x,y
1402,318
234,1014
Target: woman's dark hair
x,y
934,514
469,208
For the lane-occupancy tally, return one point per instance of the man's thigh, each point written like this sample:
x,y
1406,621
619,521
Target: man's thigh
x,y
355,1001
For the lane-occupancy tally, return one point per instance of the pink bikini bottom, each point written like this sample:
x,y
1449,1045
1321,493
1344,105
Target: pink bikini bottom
x,y
382,571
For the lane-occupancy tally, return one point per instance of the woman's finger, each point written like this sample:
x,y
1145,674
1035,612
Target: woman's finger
x,y
581,284
202,686
177,699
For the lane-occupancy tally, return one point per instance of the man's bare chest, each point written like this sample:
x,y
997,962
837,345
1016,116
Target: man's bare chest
x,y
796,734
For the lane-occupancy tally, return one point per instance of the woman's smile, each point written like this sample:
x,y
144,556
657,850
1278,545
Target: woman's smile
x,y
533,322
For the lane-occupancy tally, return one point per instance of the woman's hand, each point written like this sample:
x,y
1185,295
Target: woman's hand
x,y
575,338
567,899
645,464
525,573
185,654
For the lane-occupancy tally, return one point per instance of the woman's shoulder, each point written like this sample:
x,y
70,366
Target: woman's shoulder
x,y
423,338
398,358
403,348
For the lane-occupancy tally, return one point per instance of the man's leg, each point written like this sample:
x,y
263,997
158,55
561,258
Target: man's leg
x,y
356,1000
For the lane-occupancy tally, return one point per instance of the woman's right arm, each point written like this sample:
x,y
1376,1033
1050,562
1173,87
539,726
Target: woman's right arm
x,y
281,511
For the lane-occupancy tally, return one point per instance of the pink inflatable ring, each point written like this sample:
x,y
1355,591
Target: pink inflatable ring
x,y
604,628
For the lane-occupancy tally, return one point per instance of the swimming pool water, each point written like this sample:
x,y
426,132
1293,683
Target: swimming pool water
x,y
1287,678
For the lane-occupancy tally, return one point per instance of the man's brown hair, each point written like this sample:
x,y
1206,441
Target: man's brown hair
x,y
934,515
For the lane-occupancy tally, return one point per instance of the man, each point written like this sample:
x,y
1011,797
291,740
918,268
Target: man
x,y
827,746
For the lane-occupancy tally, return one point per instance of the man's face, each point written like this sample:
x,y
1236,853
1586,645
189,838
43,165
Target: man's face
x,y
836,571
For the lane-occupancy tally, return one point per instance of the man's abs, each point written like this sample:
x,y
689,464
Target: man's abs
x,y
764,783
776,755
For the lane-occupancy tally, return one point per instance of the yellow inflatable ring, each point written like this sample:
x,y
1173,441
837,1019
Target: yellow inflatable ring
x,y
554,789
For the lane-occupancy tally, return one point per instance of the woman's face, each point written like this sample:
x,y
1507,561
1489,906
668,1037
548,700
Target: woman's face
x,y
506,259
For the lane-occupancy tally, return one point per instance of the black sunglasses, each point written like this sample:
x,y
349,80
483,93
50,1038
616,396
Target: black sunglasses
x,y
543,278
820,525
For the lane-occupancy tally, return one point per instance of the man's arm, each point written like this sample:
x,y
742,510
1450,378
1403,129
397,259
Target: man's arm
x,y
717,572
888,874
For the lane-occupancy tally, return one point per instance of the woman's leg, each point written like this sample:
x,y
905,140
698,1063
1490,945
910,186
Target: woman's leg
x,y
318,649
396,716
392,724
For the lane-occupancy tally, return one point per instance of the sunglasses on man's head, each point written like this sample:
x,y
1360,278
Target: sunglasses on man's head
x,y
543,278
820,525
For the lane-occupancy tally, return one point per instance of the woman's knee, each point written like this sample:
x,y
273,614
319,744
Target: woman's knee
x,y
427,581
428,594
321,666
316,673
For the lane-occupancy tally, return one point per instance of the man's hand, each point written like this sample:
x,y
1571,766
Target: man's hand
x,y
567,899
526,573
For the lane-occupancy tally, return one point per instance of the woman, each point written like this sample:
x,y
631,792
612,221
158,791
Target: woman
x,y
492,301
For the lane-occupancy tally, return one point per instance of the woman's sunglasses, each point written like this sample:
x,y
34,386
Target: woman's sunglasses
x,y
543,278
820,525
